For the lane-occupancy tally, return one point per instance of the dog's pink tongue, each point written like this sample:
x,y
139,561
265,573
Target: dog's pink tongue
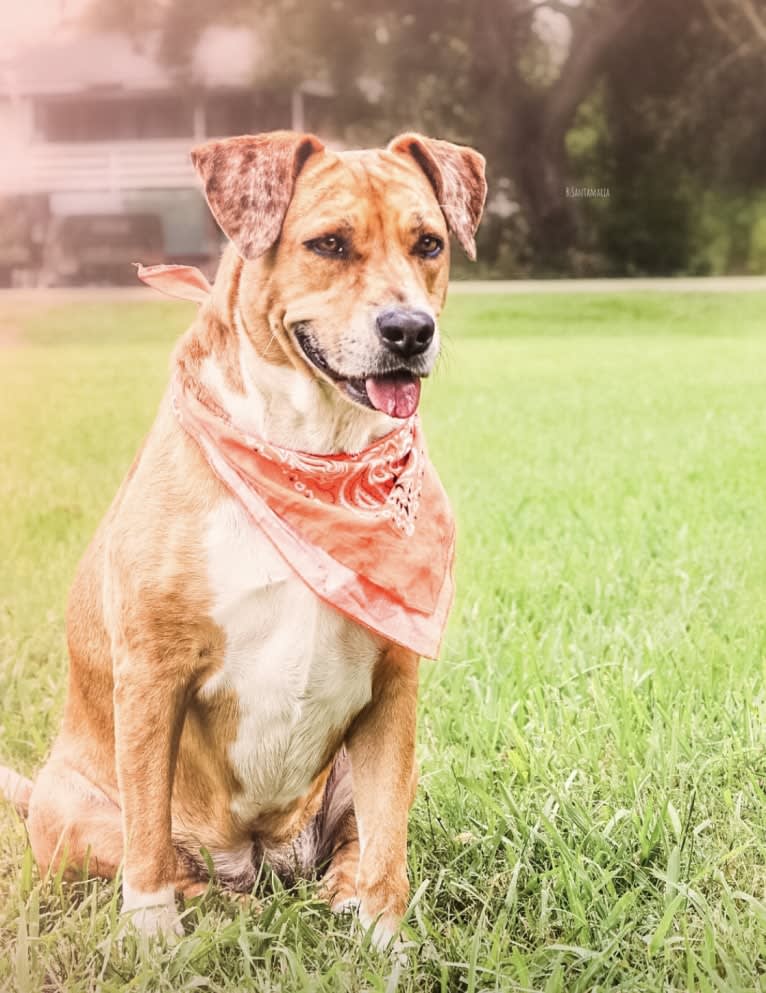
x,y
397,395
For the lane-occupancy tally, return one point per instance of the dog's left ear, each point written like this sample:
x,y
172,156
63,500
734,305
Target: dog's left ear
x,y
457,175
249,183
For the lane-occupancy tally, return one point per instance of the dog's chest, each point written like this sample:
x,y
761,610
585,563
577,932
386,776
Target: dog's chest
x,y
300,671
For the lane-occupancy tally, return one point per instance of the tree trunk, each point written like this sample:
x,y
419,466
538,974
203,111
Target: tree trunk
x,y
536,124
538,162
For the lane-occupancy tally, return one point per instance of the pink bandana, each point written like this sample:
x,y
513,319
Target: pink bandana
x,y
370,533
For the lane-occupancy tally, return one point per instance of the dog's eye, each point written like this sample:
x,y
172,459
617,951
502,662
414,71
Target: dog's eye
x,y
429,246
329,244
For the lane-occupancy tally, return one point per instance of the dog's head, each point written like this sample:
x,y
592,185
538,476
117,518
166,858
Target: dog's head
x,y
346,255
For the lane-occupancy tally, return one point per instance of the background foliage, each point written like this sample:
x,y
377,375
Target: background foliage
x,y
655,103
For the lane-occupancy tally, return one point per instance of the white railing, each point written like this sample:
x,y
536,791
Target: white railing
x,y
96,166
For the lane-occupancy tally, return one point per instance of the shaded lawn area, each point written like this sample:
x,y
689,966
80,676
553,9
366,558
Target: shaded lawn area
x,y
592,746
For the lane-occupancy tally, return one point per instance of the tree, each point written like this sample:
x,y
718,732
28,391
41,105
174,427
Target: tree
x,y
740,22
482,72
477,71
680,147
659,81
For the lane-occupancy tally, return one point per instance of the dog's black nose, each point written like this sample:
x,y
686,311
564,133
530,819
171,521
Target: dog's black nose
x,y
406,332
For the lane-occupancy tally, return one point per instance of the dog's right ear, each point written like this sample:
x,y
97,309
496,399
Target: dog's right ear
x,y
249,183
456,173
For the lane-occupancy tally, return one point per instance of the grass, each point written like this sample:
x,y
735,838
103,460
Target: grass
x,y
592,811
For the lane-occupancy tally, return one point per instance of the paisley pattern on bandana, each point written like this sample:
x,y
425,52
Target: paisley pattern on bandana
x,y
384,482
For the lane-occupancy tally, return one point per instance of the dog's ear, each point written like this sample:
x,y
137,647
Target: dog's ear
x,y
249,184
456,173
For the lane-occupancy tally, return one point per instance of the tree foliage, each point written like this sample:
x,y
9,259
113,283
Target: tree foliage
x,y
655,100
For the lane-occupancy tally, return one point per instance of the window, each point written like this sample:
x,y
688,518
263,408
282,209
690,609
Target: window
x,y
103,119
246,113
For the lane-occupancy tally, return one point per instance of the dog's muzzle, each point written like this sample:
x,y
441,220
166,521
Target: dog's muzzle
x,y
394,386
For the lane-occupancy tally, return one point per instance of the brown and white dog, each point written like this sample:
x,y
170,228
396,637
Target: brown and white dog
x,y
215,702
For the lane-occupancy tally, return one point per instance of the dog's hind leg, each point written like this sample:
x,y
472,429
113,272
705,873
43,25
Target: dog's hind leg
x,y
338,838
338,885
16,789
74,827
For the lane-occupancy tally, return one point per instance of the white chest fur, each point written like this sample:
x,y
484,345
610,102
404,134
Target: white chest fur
x,y
300,670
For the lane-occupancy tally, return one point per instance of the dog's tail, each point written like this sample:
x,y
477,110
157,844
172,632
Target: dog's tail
x,y
16,789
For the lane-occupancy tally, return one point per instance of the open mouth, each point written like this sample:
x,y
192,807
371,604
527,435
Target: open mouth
x,y
396,393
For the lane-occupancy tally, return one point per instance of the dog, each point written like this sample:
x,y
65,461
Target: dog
x,y
243,679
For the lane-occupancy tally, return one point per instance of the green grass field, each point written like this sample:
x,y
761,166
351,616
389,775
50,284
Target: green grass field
x,y
592,810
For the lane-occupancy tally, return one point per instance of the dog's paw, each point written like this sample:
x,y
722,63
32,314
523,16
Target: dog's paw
x,y
383,928
339,891
151,915
383,901
154,922
344,904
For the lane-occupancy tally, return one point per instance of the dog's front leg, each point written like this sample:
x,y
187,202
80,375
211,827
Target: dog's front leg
x,y
149,703
381,747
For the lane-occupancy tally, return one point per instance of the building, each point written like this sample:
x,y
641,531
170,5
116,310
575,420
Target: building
x,y
95,125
